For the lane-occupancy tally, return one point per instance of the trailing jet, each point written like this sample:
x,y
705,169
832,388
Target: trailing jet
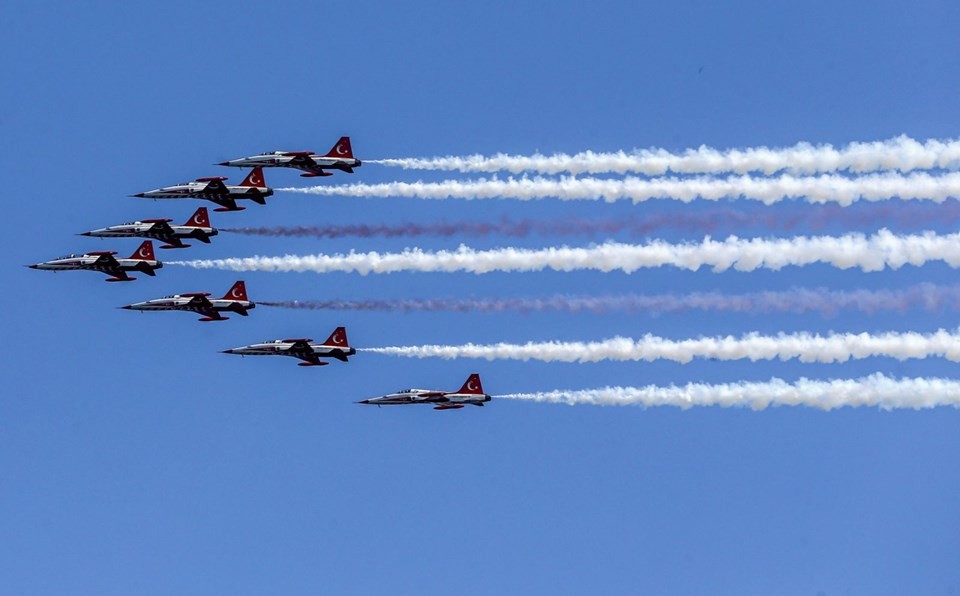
x,y
235,301
103,261
198,226
213,189
336,346
471,393
340,157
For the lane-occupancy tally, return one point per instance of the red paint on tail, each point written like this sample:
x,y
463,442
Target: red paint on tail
x,y
144,253
472,386
254,178
342,149
338,339
237,292
200,219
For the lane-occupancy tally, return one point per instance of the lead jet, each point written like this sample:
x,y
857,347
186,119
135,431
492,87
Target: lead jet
x,y
103,261
336,346
234,301
471,393
340,157
213,189
198,227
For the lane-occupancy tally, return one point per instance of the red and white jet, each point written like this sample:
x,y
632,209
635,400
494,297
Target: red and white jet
x,y
235,301
340,157
336,346
103,261
213,189
471,393
198,227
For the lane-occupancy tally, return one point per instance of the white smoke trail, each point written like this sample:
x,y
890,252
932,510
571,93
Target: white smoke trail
x,y
925,296
821,189
901,153
875,390
827,188
869,253
805,347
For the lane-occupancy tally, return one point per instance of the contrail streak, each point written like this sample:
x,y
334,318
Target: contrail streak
x,y
901,153
707,221
875,390
827,188
805,347
868,253
925,296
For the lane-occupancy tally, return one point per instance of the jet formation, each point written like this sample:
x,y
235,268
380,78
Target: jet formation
x,y
198,227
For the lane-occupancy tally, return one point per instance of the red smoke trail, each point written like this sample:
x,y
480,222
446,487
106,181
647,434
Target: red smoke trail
x,y
710,221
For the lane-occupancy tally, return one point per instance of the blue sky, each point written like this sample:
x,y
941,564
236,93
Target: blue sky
x,y
136,459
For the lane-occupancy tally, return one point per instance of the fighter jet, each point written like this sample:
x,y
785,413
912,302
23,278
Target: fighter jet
x,y
471,393
213,189
198,226
104,262
340,157
336,346
235,300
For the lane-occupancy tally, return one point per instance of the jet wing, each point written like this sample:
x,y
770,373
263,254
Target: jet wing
x,y
161,227
215,186
162,231
200,301
109,265
302,161
302,350
202,306
306,163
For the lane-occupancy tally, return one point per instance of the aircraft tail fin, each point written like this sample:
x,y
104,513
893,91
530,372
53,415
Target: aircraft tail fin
x,y
144,253
472,386
338,338
341,149
237,292
254,178
200,219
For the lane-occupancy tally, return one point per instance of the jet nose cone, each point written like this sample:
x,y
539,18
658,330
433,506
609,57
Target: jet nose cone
x,y
222,163
32,266
83,234
364,401
230,351
139,194
127,307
